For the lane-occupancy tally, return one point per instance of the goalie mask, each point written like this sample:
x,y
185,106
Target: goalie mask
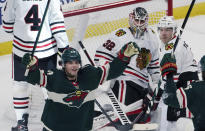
x,y
138,21
167,22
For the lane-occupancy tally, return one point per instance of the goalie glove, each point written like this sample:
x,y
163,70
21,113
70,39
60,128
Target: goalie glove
x,y
143,58
127,51
168,65
31,63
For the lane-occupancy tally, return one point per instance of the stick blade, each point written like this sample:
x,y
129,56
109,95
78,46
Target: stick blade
x,y
145,127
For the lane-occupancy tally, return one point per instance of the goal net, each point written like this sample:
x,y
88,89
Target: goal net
x,y
91,21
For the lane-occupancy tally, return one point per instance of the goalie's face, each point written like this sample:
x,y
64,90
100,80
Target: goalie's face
x,y
166,34
71,69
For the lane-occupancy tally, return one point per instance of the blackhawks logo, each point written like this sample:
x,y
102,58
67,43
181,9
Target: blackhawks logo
x,y
169,46
120,32
75,99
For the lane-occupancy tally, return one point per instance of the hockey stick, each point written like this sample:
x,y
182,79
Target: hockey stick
x,y
121,115
183,25
38,35
40,28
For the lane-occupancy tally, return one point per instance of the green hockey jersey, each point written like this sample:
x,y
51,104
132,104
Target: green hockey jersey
x,y
192,97
64,108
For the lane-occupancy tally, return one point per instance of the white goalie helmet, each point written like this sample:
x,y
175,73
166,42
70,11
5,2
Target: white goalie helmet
x,y
167,22
138,21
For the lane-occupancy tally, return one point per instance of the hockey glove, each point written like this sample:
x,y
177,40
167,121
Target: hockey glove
x,y
31,63
127,51
168,65
143,58
147,102
158,94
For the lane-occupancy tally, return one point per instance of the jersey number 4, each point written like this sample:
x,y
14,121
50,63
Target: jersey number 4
x,y
33,18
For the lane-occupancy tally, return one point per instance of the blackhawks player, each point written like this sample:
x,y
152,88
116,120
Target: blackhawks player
x,y
187,68
22,19
65,107
132,86
191,96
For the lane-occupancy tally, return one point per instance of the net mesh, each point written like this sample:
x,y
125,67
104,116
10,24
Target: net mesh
x,y
105,21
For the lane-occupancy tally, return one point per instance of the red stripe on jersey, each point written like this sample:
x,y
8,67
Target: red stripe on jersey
x,y
7,27
32,46
122,89
102,57
154,64
44,80
57,27
184,104
21,103
104,74
126,71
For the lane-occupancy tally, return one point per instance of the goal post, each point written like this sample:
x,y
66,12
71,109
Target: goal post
x,y
91,19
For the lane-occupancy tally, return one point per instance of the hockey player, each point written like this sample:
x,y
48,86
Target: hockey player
x,y
22,18
131,87
191,96
65,108
187,68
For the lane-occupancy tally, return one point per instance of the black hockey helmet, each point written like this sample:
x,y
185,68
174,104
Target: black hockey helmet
x,y
70,54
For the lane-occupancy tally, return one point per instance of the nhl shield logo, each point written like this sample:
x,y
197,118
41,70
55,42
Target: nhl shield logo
x,y
75,99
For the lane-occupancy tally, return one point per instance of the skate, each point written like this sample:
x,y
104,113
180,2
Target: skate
x,y
21,124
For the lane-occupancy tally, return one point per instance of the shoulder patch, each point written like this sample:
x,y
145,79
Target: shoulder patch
x,y
120,32
169,46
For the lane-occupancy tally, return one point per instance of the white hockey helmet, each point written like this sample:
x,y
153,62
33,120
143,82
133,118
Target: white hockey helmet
x,y
167,22
138,21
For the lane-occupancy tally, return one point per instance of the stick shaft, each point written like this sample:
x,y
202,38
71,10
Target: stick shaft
x,y
39,32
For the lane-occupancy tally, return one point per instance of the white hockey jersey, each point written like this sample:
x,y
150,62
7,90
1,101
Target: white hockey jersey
x,y
108,50
23,18
184,57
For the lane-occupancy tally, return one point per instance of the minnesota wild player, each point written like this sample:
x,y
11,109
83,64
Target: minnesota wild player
x,y
65,108
191,96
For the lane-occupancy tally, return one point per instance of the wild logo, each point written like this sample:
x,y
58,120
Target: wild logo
x,y
75,99
120,32
169,46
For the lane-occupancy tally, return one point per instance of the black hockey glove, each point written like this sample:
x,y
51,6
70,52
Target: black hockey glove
x,y
31,63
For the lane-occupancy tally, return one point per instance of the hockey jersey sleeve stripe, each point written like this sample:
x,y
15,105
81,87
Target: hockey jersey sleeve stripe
x,y
100,56
56,32
7,28
130,68
31,42
129,72
36,50
104,53
155,60
182,99
8,23
59,22
54,28
18,43
153,67
105,70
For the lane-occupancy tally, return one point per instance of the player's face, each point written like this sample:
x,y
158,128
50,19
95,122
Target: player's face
x,y
71,69
166,34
